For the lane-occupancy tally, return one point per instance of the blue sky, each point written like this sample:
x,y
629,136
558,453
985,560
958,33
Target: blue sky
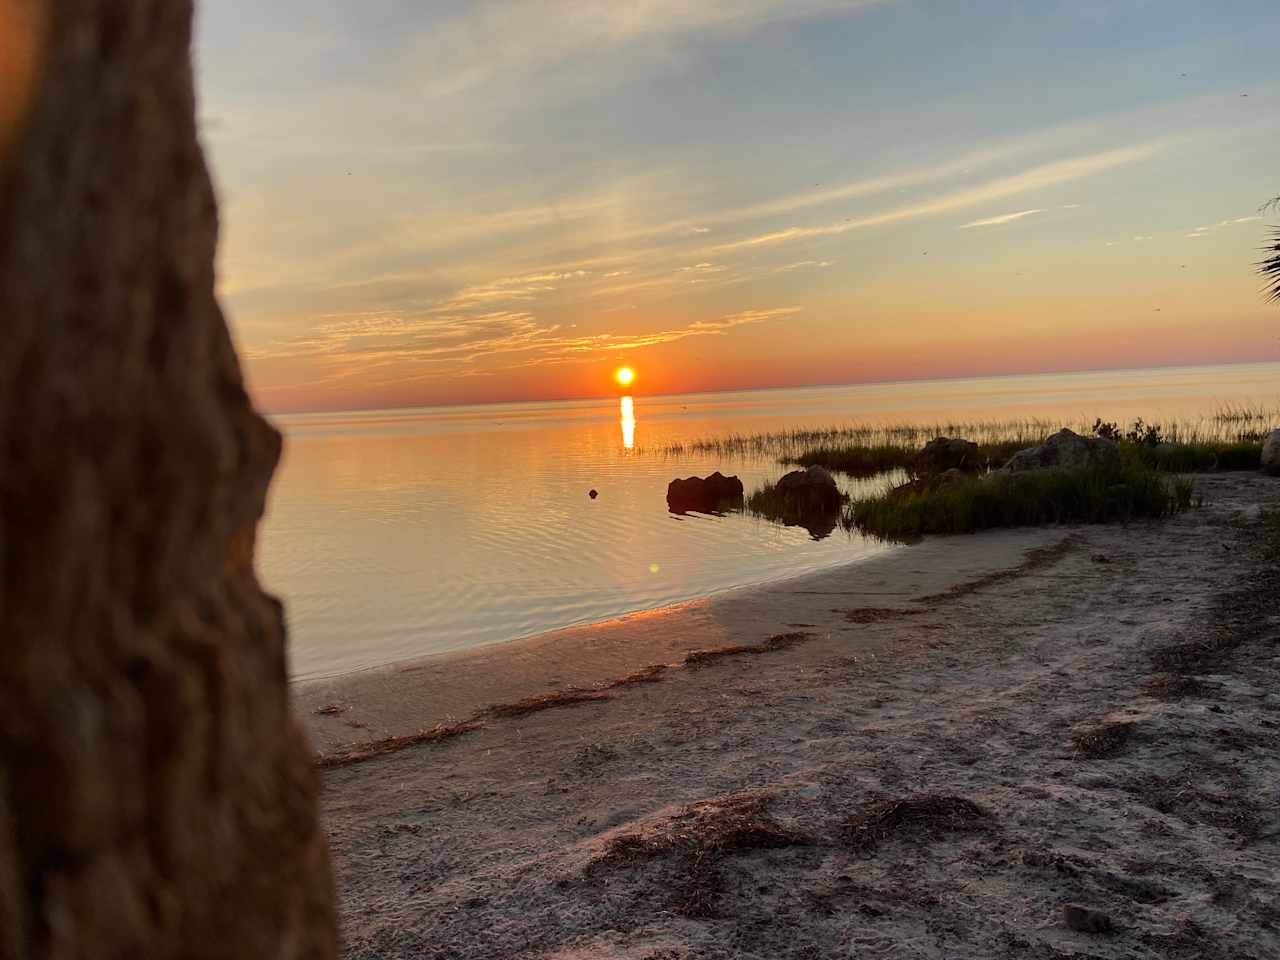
x,y
453,202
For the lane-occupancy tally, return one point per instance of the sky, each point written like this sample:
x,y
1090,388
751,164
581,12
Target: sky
x,y
469,201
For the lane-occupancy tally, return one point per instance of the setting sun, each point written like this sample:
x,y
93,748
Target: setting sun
x,y
625,376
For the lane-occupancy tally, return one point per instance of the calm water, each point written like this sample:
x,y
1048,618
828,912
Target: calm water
x,y
392,534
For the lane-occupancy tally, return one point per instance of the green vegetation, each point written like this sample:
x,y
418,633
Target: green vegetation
x,y
788,445
1129,492
859,461
1228,439
1199,457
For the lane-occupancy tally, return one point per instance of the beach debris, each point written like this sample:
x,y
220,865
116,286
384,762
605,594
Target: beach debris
x,y
879,614
696,840
1086,919
1271,453
944,454
1103,740
779,641
545,701
923,816
378,748
330,710
1066,450
593,494
704,494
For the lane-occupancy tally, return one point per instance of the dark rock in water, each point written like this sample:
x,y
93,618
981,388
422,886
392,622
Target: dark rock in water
x,y
803,498
1271,453
1066,450
1085,919
593,494
810,492
703,494
943,454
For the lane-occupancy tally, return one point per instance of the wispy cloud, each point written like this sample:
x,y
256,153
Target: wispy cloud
x,y
1211,227
804,265
1046,175
494,38
1003,219
377,340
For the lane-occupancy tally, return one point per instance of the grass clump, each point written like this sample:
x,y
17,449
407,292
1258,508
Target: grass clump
x,y
1199,457
1034,498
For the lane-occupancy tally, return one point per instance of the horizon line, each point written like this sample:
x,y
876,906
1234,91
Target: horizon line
x,y
758,389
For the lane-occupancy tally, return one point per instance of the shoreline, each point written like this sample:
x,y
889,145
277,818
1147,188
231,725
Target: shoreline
x,y
392,665
940,757
347,711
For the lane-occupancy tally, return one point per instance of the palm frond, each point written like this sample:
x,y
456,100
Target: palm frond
x,y
1269,267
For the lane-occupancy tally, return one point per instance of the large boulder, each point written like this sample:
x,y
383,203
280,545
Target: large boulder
x,y
945,453
812,491
703,494
1066,450
157,797
1271,453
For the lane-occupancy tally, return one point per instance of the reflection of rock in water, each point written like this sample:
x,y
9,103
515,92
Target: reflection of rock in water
x,y
803,498
820,525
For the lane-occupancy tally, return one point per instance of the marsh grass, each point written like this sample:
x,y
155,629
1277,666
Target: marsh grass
x,y
789,445
1200,456
867,461
1225,440
1035,498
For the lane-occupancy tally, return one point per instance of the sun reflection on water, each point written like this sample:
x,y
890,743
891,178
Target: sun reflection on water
x,y
628,407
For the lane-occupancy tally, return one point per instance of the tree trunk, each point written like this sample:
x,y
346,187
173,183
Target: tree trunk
x,y
157,799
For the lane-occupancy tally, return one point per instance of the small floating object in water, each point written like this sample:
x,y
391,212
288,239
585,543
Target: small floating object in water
x,y
593,494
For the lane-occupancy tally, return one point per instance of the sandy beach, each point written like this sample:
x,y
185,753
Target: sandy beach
x,y
924,754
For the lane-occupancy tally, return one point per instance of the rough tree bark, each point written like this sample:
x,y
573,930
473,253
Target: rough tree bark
x,y
156,798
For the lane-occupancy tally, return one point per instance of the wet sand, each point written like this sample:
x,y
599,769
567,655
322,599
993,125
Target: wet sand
x,y
943,746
